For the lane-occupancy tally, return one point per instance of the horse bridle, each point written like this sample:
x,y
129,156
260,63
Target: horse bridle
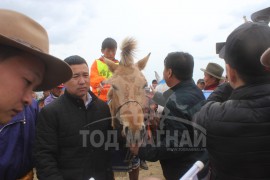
x,y
119,108
125,103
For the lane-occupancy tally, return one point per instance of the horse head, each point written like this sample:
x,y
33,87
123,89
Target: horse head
x,y
127,94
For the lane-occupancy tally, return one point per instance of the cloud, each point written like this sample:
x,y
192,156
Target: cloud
x,y
79,27
199,37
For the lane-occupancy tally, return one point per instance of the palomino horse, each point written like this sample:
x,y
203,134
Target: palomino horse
x,y
127,93
127,100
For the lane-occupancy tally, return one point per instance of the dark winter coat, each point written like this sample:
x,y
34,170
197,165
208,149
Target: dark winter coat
x,y
66,148
238,134
181,102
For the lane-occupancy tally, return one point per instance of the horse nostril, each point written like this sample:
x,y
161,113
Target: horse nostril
x,y
126,130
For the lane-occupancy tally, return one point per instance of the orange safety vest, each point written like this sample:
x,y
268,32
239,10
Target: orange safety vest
x,y
99,72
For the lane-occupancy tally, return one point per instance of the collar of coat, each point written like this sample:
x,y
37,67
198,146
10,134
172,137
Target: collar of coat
x,y
252,91
78,101
185,83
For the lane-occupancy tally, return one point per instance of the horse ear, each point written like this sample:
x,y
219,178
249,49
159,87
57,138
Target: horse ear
x,y
142,63
112,66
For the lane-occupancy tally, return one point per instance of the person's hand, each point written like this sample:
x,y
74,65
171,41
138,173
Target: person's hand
x,y
134,149
151,93
28,176
153,106
152,89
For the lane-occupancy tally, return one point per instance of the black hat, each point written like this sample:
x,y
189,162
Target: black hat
x,y
244,47
262,16
220,49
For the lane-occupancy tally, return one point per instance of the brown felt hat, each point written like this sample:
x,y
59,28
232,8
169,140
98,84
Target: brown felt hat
x,y
22,32
214,70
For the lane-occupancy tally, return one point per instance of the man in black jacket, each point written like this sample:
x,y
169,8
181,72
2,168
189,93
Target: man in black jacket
x,y
238,130
72,132
175,148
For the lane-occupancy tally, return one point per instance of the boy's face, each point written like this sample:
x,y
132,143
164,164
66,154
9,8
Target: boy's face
x,y
109,53
20,75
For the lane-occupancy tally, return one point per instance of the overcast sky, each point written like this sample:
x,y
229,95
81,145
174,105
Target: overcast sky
x,y
159,26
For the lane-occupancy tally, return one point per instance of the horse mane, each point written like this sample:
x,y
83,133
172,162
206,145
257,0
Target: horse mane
x,y
128,48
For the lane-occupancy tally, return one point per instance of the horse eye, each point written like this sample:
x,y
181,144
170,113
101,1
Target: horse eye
x,y
114,87
145,86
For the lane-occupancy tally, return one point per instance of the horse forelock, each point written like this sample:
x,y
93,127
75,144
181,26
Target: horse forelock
x,y
128,49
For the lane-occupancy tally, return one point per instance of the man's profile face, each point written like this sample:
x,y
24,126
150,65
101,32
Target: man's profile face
x,y
209,80
20,75
78,85
167,73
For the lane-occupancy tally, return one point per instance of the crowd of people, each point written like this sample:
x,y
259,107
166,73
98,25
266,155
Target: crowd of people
x,y
223,122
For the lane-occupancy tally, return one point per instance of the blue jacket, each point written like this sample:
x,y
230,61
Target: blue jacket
x,y
16,144
49,99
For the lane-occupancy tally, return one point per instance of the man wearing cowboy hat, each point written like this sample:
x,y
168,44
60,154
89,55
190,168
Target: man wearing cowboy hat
x,y
212,76
25,65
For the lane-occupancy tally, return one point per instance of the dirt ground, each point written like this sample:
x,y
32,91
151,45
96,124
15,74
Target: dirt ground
x,y
153,171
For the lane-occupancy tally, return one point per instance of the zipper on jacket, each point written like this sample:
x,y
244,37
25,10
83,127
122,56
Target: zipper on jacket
x,y
10,124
